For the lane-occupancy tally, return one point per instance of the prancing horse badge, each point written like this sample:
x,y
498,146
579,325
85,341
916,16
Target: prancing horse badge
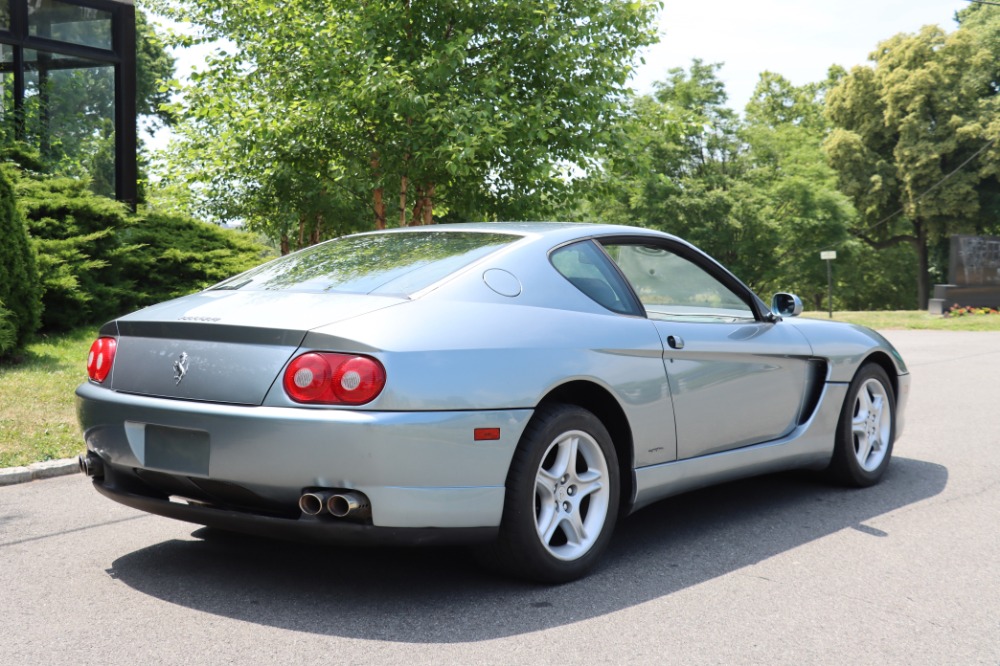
x,y
180,368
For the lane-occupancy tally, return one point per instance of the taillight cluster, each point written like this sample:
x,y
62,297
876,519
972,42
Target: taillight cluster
x,y
327,378
101,358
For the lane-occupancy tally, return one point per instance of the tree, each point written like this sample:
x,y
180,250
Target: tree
x,y
784,131
317,112
907,131
8,331
756,193
20,293
679,164
983,21
154,68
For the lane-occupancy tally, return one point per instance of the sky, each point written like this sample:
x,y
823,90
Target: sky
x,y
798,39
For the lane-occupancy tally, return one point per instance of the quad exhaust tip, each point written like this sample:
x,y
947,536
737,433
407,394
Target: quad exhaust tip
x,y
314,502
347,504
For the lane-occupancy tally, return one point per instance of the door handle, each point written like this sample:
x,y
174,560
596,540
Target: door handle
x,y
675,341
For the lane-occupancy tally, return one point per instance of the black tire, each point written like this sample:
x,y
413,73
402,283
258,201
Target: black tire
x,y
864,440
580,510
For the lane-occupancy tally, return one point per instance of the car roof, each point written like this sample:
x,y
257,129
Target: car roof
x,y
552,231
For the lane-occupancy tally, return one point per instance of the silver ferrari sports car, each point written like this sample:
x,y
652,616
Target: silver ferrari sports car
x,y
517,386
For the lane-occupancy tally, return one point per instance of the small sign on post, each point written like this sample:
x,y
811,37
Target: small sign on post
x,y
828,256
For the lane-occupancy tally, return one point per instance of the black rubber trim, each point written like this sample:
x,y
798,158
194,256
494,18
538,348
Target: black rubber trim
x,y
309,529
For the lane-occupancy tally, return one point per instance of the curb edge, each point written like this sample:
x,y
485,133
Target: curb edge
x,y
40,470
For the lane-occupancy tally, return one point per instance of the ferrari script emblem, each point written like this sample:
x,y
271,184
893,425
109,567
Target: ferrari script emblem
x,y
180,368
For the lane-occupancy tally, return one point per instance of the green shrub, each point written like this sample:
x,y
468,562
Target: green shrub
x,y
78,238
97,260
8,332
176,255
20,294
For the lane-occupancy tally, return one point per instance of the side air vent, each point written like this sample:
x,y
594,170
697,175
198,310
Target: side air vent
x,y
815,380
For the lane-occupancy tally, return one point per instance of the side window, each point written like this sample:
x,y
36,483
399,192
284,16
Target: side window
x,y
674,288
588,269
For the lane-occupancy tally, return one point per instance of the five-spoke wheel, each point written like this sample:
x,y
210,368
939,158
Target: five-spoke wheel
x,y
866,430
871,424
572,493
562,496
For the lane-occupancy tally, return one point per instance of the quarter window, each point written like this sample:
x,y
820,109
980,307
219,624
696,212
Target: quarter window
x,y
588,269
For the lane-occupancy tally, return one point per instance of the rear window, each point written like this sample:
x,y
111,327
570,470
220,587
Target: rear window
x,y
391,263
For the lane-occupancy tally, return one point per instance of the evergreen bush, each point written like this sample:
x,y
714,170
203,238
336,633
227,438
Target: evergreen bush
x,y
97,260
20,293
77,235
8,333
176,255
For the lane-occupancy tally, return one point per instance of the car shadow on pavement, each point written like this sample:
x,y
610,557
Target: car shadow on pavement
x,y
441,595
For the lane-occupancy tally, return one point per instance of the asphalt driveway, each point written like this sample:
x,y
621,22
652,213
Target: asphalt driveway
x,y
777,570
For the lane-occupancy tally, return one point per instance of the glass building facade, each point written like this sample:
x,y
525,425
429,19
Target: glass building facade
x,y
67,87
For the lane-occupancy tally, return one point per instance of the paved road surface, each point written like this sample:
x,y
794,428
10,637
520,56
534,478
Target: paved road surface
x,y
776,570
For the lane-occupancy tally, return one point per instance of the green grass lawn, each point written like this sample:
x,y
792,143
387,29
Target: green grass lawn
x,y
913,319
37,406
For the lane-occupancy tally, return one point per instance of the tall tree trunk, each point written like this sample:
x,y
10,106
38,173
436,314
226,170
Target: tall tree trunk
x,y
317,232
418,207
923,264
379,209
429,204
285,245
302,232
404,183
378,193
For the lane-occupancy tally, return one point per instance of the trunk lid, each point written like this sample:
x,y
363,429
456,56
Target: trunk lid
x,y
223,346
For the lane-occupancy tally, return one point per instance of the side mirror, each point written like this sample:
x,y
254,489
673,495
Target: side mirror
x,y
786,305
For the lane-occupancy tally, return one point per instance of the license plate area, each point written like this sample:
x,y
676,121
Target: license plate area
x,y
177,449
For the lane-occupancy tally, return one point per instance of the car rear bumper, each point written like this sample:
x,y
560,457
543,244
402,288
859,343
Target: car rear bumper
x,y
241,465
301,528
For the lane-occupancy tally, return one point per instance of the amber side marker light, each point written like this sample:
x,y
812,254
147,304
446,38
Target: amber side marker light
x,y
486,434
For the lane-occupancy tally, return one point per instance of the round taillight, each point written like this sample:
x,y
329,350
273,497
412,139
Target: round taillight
x,y
334,379
101,358
358,380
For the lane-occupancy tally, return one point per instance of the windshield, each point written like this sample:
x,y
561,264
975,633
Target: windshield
x,y
389,263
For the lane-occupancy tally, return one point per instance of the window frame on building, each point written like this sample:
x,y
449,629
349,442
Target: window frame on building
x,y
121,56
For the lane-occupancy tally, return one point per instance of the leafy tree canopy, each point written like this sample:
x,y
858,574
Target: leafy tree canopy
x,y
755,192
678,167
914,143
783,131
316,113
154,70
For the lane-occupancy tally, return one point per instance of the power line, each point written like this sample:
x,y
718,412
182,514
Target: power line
x,y
933,187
